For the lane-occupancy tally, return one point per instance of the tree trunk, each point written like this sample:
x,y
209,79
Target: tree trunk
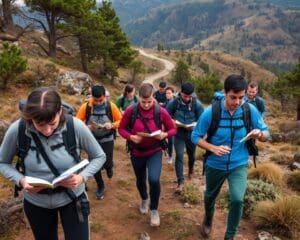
x,y
83,58
7,13
298,109
52,35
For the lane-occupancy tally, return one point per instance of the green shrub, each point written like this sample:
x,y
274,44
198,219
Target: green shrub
x,y
293,180
281,216
268,172
191,194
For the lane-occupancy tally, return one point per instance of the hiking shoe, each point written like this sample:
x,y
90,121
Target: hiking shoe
x,y
154,218
170,160
205,230
179,188
100,193
144,207
109,173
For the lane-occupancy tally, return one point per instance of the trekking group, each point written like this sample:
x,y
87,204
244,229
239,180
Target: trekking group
x,y
48,141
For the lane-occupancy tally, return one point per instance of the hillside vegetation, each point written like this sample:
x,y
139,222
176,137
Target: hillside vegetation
x,y
257,30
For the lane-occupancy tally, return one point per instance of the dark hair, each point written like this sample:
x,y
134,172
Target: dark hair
x,y
128,89
162,84
146,90
235,82
187,88
253,84
42,106
98,91
170,88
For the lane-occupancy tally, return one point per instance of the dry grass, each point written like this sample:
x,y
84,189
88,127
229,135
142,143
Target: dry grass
x,y
282,159
191,194
268,172
281,216
293,180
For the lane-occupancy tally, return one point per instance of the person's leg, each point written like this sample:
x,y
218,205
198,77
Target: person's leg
x,y
73,228
108,148
179,150
237,181
154,165
191,150
170,148
100,185
214,181
43,221
139,167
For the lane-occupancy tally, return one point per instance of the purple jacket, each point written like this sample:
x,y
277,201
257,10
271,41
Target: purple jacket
x,y
147,146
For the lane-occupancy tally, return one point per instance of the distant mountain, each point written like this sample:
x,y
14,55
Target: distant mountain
x,y
263,30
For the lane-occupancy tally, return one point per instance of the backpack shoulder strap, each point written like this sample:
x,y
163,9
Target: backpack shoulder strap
x,y
122,102
194,107
23,140
108,111
175,106
133,116
69,138
88,112
157,119
247,116
216,116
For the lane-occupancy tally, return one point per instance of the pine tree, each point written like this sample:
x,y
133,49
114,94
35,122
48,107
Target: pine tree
x,y
182,73
11,64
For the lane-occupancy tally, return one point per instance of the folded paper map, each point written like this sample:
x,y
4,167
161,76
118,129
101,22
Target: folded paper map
x,y
180,124
97,125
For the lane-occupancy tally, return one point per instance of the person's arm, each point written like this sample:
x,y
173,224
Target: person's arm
x,y
81,114
116,115
124,123
8,150
89,144
170,127
261,131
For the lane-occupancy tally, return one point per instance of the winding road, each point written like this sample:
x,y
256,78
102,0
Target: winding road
x,y
169,66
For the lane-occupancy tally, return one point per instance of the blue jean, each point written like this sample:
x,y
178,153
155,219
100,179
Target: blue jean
x,y
237,181
170,146
179,142
153,164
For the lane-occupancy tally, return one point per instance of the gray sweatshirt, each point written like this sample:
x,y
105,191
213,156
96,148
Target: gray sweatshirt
x,y
61,159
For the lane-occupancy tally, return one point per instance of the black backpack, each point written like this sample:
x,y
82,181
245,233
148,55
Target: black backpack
x,y
157,120
176,104
24,142
135,100
216,117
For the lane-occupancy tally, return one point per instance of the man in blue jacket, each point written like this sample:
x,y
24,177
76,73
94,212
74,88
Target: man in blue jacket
x,y
228,158
185,109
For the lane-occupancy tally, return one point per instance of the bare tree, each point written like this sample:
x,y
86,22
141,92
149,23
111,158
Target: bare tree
x,y
7,7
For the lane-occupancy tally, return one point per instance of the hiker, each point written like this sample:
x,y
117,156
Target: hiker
x,y
127,98
254,99
184,109
102,117
160,94
170,95
227,157
146,152
44,125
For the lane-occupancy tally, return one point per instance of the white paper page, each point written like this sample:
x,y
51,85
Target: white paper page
x,y
70,171
34,180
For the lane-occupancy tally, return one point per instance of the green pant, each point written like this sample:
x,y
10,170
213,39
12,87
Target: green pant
x,y
237,180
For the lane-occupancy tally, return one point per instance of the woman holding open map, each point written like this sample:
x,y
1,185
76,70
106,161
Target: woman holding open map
x,y
145,125
47,130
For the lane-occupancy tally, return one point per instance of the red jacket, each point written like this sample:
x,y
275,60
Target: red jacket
x,y
148,145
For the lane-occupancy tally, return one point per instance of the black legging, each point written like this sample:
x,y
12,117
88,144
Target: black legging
x,y
108,148
44,222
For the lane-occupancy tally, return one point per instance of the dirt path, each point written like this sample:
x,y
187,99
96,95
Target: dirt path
x,y
169,66
116,217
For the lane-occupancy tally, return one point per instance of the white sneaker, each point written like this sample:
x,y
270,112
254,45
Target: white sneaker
x,y
144,207
154,218
170,160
